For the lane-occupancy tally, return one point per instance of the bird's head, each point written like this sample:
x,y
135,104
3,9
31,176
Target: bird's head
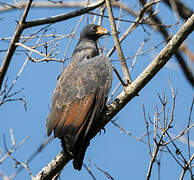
x,y
93,32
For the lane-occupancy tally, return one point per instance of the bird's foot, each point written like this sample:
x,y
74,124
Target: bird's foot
x,y
103,129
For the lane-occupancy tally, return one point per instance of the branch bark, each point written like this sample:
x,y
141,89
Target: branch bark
x,y
63,17
130,92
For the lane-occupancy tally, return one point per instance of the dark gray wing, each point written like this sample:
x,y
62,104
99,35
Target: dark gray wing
x,y
78,99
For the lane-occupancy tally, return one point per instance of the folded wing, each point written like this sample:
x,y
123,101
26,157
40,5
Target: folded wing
x,y
77,103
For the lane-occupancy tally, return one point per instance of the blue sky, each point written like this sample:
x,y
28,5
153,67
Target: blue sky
x,y
115,152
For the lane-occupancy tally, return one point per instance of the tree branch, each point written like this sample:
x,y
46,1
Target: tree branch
x,y
12,47
63,17
130,92
117,44
55,166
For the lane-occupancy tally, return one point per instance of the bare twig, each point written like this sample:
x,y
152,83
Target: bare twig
x,y
117,44
188,125
105,173
186,130
89,171
129,133
159,143
186,168
36,152
147,131
13,147
24,165
29,48
119,77
174,157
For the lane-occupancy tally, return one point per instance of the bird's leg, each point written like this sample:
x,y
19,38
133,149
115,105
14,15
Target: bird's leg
x,y
64,149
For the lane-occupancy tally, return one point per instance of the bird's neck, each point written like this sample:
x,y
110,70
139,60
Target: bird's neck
x,y
85,48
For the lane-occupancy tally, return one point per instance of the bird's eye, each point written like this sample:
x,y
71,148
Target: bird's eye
x,y
93,28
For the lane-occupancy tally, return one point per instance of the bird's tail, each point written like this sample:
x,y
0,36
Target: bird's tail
x,y
78,160
77,155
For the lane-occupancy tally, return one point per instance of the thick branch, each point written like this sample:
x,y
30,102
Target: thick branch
x,y
63,17
40,4
55,166
130,92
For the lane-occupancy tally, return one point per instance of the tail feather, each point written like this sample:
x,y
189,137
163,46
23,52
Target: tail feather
x,y
78,160
77,155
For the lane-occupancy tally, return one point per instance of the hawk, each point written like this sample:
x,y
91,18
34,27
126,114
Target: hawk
x,y
80,95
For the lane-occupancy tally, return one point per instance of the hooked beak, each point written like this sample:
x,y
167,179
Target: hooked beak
x,y
102,31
